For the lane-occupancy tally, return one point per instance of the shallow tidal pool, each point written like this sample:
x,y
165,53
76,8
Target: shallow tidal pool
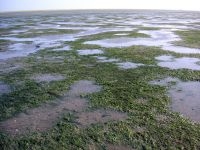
x,y
126,79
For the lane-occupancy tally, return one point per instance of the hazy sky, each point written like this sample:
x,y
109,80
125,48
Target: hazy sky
x,y
18,5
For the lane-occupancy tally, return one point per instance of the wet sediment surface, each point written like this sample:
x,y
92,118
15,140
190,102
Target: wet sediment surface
x,y
185,96
162,38
178,63
4,88
89,52
47,77
44,57
45,117
63,26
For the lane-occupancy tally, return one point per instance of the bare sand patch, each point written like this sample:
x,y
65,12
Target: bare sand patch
x,y
47,77
186,99
100,116
4,88
139,129
118,147
7,66
51,59
47,115
83,87
185,96
44,117
162,118
141,101
41,118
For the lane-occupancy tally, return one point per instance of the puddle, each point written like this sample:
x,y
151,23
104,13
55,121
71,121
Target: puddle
x,y
163,25
178,63
47,77
129,65
56,38
88,24
114,42
38,43
18,50
180,49
99,116
4,88
96,30
185,97
45,45
19,31
158,38
161,38
24,49
165,82
106,59
89,52
45,117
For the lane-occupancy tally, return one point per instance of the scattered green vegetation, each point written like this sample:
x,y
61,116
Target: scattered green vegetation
x,y
108,35
150,125
190,38
138,54
3,45
142,54
3,42
7,30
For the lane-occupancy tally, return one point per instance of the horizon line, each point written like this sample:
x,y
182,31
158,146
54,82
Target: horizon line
x,y
45,10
